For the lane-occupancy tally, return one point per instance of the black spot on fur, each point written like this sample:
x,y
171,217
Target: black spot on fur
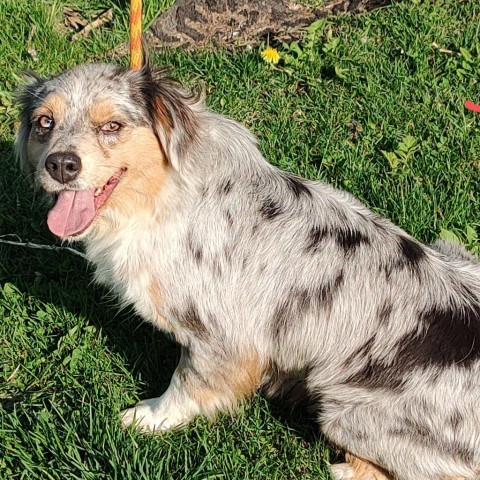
x,y
411,429
349,240
315,238
198,254
229,218
410,255
300,301
375,374
297,185
226,187
270,209
362,351
360,435
416,428
387,269
413,251
385,312
195,250
449,335
228,253
326,293
458,449
372,373
290,309
455,420
190,319
445,337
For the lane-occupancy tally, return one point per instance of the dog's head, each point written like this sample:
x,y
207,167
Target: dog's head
x,y
101,138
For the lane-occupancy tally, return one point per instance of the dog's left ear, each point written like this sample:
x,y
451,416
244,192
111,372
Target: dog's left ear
x,y
174,114
27,96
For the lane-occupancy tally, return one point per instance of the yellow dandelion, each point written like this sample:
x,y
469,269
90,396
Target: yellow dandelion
x,y
270,55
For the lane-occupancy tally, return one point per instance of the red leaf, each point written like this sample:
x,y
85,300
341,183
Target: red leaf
x,y
472,106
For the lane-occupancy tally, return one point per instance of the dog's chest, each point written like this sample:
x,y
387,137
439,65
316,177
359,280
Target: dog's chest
x,y
133,268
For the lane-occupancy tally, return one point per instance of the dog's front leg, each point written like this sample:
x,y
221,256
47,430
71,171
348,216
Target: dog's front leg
x,y
201,385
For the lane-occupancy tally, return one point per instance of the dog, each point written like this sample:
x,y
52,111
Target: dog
x,y
262,277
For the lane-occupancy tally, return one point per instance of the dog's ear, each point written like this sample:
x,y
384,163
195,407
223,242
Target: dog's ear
x,y
173,112
27,96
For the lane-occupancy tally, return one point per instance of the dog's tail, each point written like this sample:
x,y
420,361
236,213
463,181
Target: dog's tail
x,y
455,251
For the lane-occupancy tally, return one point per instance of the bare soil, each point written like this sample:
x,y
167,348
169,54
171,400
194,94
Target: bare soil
x,y
197,23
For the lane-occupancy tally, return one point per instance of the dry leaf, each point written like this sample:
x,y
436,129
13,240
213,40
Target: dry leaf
x,y
102,19
73,19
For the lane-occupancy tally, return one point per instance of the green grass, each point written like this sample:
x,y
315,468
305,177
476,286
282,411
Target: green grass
x,y
70,360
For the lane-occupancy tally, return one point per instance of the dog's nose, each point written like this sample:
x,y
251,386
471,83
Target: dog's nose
x,y
63,166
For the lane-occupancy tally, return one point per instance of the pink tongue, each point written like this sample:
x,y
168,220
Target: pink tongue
x,y
73,212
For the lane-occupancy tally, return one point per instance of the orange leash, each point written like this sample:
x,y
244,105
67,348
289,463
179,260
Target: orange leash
x,y
135,34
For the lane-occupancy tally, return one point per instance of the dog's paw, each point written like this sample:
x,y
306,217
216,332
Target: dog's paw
x,y
157,415
358,469
144,418
342,471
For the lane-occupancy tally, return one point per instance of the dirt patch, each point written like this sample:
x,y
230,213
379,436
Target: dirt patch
x,y
197,23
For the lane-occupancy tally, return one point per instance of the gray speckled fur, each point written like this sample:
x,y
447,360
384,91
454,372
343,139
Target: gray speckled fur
x,y
385,330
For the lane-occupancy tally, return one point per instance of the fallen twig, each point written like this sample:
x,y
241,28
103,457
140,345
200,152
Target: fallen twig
x,y
19,243
443,50
105,17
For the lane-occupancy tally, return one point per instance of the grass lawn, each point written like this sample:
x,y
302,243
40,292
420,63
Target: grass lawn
x,y
372,104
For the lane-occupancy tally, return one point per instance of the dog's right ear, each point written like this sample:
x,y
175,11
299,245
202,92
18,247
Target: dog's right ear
x,y
173,112
27,98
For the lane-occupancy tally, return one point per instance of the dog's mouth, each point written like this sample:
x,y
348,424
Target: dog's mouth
x,y
75,210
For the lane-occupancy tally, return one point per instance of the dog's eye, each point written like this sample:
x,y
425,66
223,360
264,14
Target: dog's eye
x,y
110,127
46,122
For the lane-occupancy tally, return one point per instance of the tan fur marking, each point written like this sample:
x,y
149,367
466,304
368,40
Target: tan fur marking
x,y
247,376
231,385
365,470
142,156
140,188
249,380
163,116
103,111
155,295
54,105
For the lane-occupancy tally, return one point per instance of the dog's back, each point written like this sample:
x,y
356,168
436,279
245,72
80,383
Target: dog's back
x,y
386,330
